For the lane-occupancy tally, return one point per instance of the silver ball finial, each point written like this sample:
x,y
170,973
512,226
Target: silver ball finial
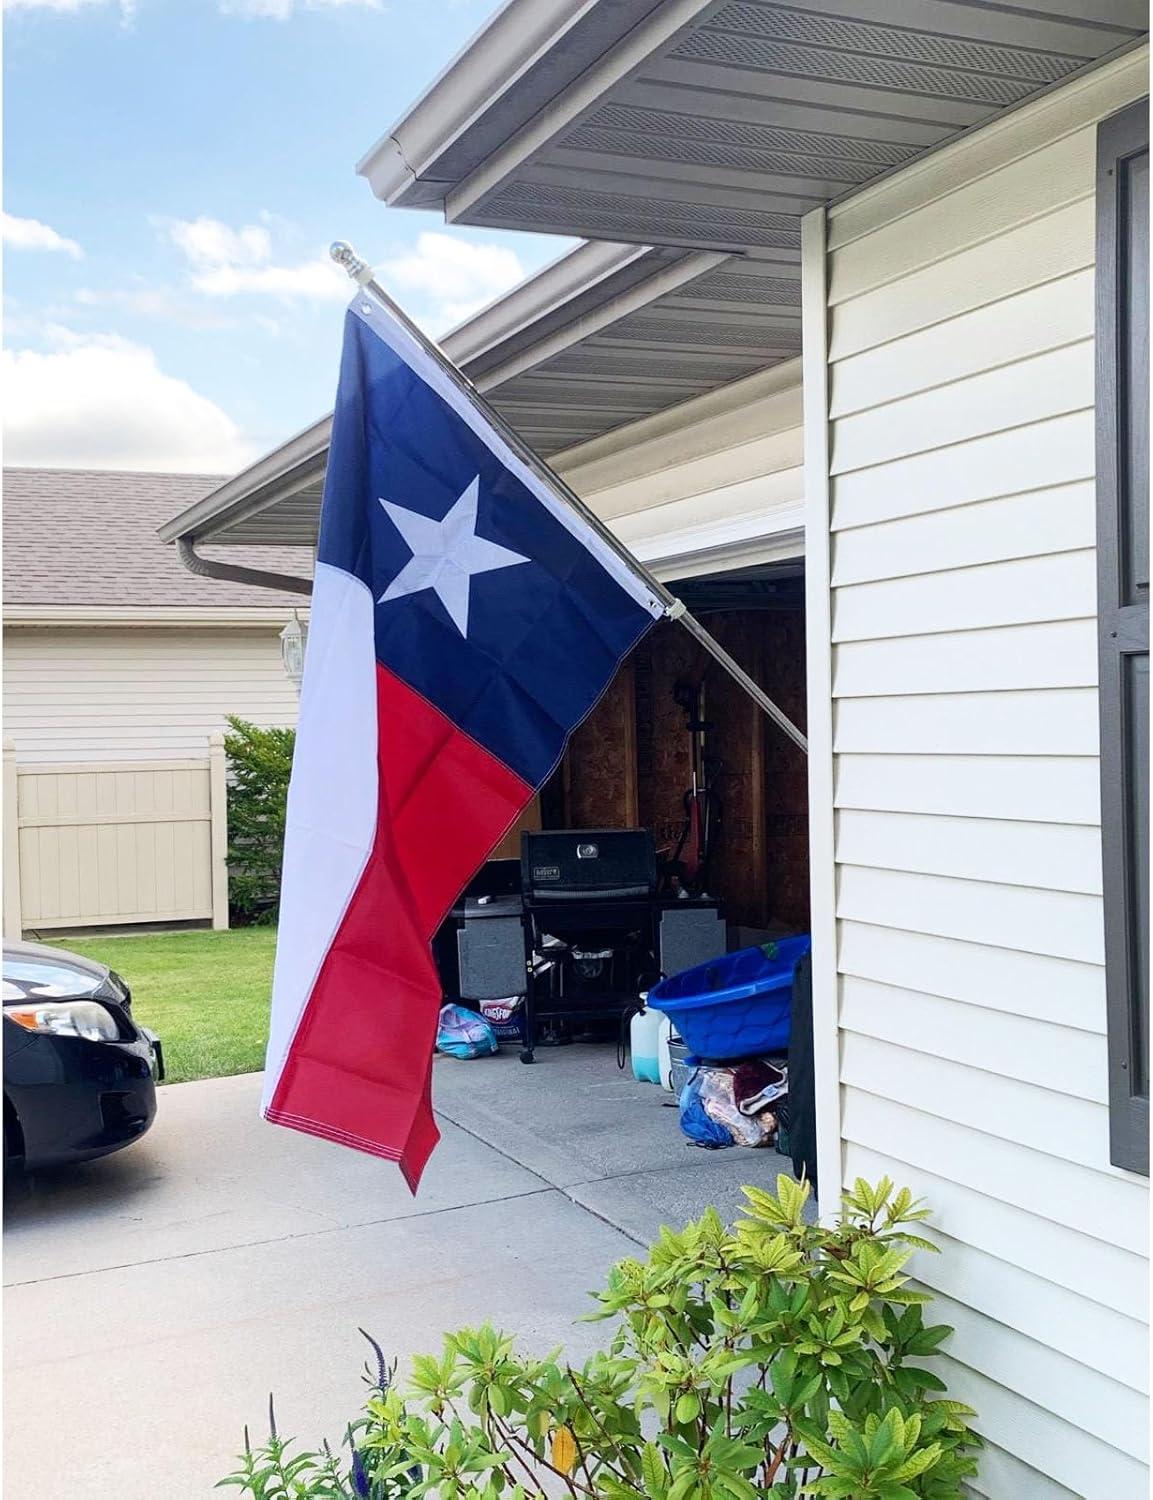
x,y
348,260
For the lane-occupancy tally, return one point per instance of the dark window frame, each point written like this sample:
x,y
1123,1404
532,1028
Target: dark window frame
x,y
1122,324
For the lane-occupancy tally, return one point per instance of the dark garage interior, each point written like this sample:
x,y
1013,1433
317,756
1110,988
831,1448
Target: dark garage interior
x,y
630,764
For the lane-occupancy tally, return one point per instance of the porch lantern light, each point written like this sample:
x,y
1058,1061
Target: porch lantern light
x,y
293,640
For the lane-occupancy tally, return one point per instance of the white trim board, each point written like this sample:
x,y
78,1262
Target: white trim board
x,y
819,680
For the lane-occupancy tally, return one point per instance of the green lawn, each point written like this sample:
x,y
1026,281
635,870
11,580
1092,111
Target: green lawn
x,y
205,993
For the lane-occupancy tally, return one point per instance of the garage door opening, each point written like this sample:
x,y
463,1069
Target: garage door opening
x,y
578,955
631,764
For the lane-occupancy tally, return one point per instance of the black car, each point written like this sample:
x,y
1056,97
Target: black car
x,y
79,1074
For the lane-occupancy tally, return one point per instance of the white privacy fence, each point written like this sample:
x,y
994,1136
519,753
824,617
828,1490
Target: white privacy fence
x,y
89,845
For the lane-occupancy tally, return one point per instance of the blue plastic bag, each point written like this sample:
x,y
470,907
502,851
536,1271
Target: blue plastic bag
x,y
696,1122
462,1033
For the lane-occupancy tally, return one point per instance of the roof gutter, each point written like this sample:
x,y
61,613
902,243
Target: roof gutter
x,y
519,60
289,467
205,567
542,300
655,33
632,299
569,300
550,299
486,66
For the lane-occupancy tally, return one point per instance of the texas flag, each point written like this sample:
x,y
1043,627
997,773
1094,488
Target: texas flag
x,y
464,621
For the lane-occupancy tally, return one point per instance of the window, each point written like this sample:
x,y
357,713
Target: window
x,y
1123,613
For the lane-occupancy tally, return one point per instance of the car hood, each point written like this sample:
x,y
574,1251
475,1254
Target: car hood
x,y
33,971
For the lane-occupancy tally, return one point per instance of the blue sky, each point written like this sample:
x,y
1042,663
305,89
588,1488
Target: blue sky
x,y
174,172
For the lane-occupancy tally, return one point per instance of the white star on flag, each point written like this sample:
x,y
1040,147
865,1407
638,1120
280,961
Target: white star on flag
x,y
446,554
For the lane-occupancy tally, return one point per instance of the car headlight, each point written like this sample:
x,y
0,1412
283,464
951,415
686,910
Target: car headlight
x,y
81,1018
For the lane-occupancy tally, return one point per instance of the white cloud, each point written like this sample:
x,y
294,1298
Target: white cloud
x,y
443,279
127,8
208,242
269,10
316,280
103,402
283,10
30,234
160,304
227,262
453,278
61,5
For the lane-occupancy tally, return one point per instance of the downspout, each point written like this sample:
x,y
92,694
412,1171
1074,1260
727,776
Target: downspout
x,y
205,567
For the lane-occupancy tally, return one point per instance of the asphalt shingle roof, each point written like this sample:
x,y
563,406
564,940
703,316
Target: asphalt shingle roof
x,y
81,536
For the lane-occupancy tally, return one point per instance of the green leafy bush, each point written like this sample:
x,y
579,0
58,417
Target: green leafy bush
x,y
259,764
776,1359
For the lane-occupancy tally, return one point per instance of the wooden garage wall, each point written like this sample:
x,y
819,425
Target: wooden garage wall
x,y
721,473
968,971
139,693
630,763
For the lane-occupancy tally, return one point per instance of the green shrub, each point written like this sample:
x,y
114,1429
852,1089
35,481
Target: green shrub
x,y
776,1359
259,763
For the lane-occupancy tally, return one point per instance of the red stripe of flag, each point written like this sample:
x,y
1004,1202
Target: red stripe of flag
x,y
444,804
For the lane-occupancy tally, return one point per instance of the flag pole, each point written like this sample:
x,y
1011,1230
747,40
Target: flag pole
x,y
675,609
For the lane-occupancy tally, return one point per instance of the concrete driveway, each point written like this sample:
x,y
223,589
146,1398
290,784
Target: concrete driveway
x,y
155,1298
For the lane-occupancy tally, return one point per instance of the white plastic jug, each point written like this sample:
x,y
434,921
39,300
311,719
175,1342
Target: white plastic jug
x,y
644,1031
664,1056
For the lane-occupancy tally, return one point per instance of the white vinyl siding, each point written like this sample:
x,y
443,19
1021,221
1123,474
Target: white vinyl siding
x,y
968,976
715,482
139,693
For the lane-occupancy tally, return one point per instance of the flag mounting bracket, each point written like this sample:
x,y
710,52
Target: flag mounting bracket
x,y
361,272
